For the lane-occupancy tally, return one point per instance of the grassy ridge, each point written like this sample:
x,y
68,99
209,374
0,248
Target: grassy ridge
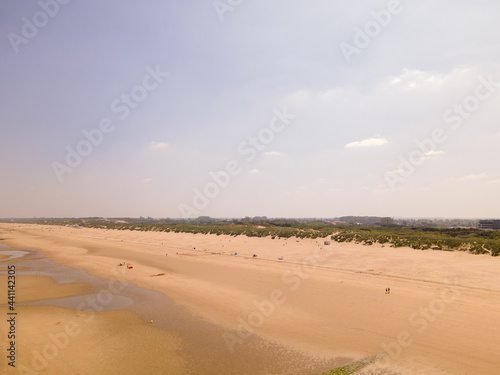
x,y
353,368
420,238
472,240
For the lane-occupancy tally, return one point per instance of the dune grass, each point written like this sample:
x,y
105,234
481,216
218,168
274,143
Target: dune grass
x,y
419,238
353,368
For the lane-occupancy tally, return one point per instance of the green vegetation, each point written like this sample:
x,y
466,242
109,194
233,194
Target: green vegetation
x,y
353,367
449,239
440,235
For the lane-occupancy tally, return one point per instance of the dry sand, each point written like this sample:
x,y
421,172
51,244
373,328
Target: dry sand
x,y
329,301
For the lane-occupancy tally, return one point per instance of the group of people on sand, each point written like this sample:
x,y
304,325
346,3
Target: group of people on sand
x,y
128,265
387,290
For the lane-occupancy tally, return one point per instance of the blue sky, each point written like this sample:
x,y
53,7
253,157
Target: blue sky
x,y
357,117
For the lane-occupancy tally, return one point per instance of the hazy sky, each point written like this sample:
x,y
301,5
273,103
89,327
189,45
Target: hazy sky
x,y
309,108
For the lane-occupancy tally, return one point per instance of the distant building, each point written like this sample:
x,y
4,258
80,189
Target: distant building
x,y
489,224
386,221
336,222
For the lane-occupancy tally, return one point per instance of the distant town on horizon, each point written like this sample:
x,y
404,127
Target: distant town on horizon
x,y
383,221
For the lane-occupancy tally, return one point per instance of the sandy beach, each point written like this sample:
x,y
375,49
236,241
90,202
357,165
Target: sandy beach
x,y
321,306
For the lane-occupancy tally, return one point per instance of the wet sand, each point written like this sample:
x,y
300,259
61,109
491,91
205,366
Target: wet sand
x,y
321,307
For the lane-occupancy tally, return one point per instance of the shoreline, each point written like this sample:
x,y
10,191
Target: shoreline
x,y
325,306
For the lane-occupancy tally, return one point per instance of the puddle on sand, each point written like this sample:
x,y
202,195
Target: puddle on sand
x,y
14,254
39,266
204,347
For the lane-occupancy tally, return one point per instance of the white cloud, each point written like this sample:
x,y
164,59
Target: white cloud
x,y
416,79
473,177
434,154
253,171
146,180
413,78
297,190
273,153
370,142
159,145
